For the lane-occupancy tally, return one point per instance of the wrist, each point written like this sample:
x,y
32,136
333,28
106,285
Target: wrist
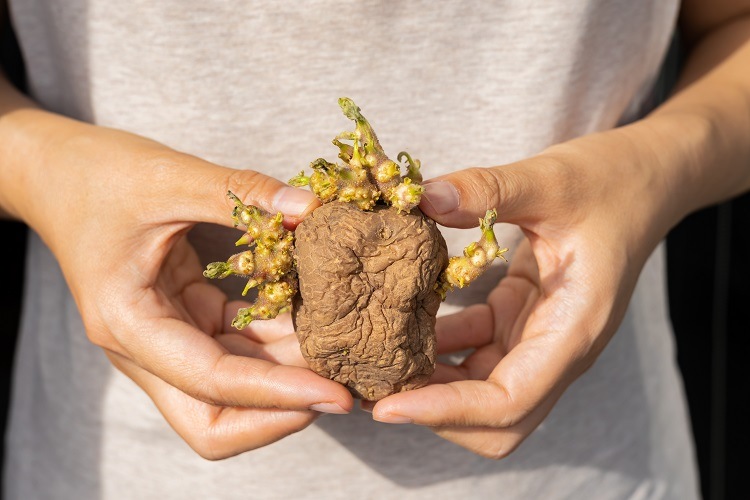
x,y
628,183
696,163
671,148
32,170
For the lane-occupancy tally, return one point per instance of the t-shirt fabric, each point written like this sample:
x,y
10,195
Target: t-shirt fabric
x,y
254,85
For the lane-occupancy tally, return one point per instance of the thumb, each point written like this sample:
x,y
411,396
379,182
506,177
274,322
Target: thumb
x,y
208,201
460,198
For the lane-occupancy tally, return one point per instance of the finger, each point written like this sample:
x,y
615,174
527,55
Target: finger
x,y
477,366
214,432
485,441
445,373
264,192
471,327
198,365
284,351
200,301
198,191
497,443
509,304
519,192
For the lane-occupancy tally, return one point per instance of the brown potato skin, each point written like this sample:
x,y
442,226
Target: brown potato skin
x,y
365,314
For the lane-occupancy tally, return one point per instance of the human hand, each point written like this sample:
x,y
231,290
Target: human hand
x,y
592,209
115,208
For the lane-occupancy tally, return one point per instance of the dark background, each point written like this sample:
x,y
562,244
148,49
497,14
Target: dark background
x,y
12,250
708,271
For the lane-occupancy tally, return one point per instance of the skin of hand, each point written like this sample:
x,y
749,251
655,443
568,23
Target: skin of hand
x,y
593,209
114,208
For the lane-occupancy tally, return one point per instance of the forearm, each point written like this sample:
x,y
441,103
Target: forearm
x,y
702,133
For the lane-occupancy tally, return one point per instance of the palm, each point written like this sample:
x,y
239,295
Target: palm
x,y
182,292
181,295
540,328
493,329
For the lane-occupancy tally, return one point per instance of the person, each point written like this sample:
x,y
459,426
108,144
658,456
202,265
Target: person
x,y
139,118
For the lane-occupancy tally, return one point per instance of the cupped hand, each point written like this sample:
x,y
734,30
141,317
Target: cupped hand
x,y
115,208
592,209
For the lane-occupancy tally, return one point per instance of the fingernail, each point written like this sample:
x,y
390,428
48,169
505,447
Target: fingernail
x,y
442,196
328,408
292,201
392,419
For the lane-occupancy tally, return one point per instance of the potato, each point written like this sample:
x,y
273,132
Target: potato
x,y
370,268
365,316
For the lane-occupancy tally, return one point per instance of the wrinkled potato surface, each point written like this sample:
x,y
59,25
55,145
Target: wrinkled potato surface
x,y
365,315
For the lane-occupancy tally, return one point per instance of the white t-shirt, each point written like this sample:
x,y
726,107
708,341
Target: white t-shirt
x,y
458,84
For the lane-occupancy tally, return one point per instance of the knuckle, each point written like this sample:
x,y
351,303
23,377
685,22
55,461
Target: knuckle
x,y
209,447
101,338
159,172
162,167
209,389
519,189
557,171
162,163
98,332
218,442
491,406
499,444
217,385
488,186
512,415
251,187
496,450
506,189
204,392
585,351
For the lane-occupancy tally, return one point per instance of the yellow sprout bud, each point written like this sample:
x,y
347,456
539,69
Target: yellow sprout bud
x,y
406,195
269,264
387,171
478,256
245,263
